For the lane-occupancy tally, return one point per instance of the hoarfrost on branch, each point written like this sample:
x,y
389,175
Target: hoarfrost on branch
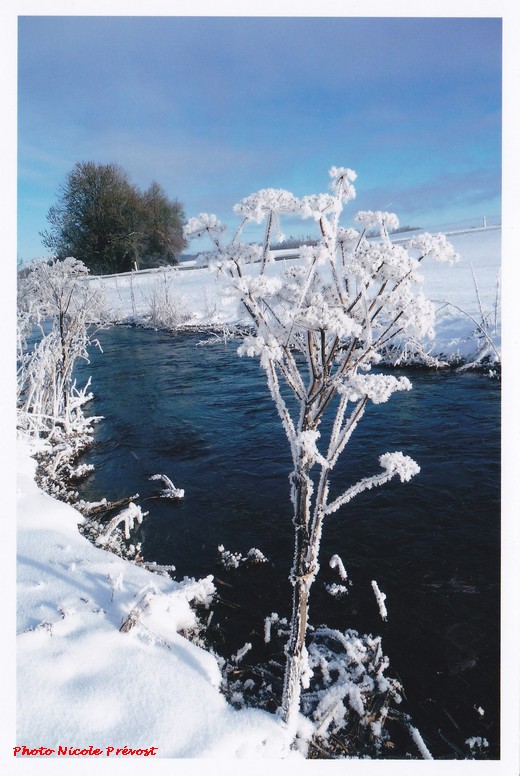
x,y
318,329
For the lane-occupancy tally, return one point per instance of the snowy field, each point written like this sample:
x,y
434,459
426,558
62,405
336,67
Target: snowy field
x,y
81,681
199,297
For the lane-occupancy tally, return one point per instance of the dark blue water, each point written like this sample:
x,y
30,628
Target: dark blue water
x,y
204,417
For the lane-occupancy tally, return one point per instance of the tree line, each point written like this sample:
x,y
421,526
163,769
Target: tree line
x,y
103,220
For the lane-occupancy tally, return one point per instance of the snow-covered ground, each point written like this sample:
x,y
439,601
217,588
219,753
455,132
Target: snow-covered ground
x,y
199,296
81,681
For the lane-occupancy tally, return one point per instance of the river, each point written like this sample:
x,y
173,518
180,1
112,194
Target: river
x,y
202,416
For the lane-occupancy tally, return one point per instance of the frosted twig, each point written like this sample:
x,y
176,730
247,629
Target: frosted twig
x,y
170,491
380,598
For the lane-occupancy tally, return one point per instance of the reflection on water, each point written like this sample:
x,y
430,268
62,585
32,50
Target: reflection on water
x,y
204,417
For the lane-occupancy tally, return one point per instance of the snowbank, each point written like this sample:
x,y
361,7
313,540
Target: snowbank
x,y
81,682
199,297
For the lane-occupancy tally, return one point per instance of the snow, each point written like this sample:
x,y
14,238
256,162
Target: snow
x,y
81,681
201,296
480,251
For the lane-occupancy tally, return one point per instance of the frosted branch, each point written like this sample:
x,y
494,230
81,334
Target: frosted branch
x,y
336,563
170,491
380,598
394,464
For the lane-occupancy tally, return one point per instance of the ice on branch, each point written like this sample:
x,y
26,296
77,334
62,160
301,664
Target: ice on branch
x,y
419,742
434,245
316,205
256,206
380,598
342,180
306,442
205,223
393,463
257,346
347,238
242,652
335,590
232,560
377,388
419,318
336,563
320,314
230,257
349,670
269,621
128,517
261,286
402,465
377,219
170,491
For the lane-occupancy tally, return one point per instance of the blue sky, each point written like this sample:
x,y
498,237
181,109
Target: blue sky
x,y
216,108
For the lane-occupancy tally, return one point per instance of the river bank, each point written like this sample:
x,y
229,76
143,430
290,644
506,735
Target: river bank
x,y
82,681
466,296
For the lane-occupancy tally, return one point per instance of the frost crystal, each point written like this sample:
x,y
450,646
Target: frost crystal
x,y
476,742
336,591
256,556
232,560
402,465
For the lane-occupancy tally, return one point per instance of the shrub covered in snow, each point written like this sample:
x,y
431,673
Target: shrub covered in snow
x,y
56,311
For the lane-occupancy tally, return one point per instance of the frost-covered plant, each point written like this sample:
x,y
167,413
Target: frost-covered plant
x,y
127,517
336,563
486,331
232,560
166,309
318,328
170,491
349,685
117,534
380,598
55,308
476,745
335,590
347,698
